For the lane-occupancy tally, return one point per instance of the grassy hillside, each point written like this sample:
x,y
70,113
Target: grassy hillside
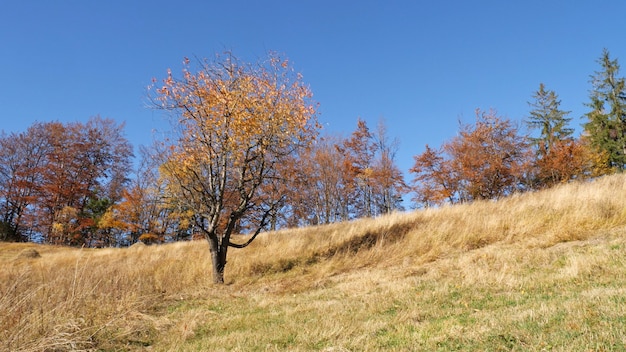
x,y
540,271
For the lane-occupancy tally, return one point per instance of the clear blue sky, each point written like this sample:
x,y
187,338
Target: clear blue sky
x,y
421,65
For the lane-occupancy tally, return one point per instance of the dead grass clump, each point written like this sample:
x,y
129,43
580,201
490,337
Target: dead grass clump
x,y
29,253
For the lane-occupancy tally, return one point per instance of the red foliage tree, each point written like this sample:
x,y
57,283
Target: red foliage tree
x,y
22,161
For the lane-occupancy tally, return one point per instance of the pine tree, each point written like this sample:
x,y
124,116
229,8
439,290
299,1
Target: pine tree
x,y
607,119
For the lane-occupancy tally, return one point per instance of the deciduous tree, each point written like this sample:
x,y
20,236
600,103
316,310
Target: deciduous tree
x,y
490,157
389,185
435,180
360,150
566,160
322,185
22,160
57,179
486,160
378,182
86,163
144,209
234,123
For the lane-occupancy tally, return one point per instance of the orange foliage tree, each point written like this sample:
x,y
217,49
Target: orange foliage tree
x,y
359,151
322,185
435,180
378,183
233,124
486,160
339,179
566,160
490,157
388,185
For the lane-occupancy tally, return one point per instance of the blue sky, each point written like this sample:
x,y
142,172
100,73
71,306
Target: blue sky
x,y
420,65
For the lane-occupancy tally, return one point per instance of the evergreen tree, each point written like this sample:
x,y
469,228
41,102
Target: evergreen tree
x,y
551,121
607,119
557,154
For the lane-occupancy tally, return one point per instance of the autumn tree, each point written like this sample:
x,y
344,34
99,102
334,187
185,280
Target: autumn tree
x,y
144,213
22,159
378,182
58,179
486,160
321,185
233,124
359,150
490,156
389,185
87,164
606,125
567,160
435,180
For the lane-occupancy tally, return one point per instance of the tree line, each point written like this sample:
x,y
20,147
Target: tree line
x,y
57,181
245,155
493,158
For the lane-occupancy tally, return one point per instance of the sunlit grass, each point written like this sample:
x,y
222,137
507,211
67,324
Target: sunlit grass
x,y
540,271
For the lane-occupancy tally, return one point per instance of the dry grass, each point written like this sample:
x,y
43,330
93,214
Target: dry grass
x,y
542,271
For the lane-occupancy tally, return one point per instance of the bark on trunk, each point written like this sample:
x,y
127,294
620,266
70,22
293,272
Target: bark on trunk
x,y
218,259
218,268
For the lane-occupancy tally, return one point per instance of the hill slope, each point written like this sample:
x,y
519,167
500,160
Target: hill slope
x,y
535,271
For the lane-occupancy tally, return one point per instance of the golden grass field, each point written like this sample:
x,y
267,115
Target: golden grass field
x,y
543,271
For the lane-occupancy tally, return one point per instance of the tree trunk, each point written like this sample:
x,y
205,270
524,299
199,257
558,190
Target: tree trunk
x,y
218,268
218,259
